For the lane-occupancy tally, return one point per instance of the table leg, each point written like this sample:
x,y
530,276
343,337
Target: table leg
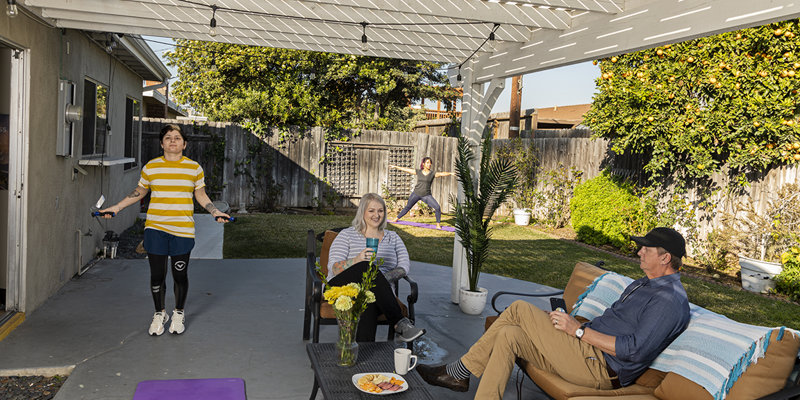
x,y
314,390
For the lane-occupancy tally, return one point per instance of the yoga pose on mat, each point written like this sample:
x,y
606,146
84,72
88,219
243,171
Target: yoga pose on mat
x,y
422,190
169,230
348,260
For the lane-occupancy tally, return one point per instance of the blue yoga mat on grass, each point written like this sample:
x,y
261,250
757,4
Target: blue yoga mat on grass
x,y
191,389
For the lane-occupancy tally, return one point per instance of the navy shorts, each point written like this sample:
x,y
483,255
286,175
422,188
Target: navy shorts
x,y
165,244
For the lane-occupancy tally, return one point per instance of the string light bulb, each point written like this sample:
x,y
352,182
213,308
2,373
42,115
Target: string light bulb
x,y
491,42
12,10
364,44
458,77
213,24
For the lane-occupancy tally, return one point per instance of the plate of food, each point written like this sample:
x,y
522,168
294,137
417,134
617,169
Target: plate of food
x,y
380,383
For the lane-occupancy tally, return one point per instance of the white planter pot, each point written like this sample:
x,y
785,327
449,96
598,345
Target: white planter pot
x,y
757,275
472,303
522,216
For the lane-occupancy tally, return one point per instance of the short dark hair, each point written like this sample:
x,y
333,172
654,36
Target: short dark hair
x,y
675,262
169,128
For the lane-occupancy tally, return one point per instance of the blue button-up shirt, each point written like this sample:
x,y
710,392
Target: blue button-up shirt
x,y
648,316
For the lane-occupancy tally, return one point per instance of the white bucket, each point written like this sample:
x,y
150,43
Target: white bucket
x,y
522,216
757,275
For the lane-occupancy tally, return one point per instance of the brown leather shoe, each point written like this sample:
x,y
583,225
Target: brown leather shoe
x,y
437,376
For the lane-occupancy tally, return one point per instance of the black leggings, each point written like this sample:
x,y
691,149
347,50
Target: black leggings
x,y
385,301
158,279
429,200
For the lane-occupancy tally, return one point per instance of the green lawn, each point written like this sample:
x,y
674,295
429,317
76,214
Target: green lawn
x,y
516,252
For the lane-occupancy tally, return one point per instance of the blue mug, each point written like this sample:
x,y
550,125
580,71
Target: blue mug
x,y
373,244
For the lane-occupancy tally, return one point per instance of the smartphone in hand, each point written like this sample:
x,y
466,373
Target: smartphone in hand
x,y
557,303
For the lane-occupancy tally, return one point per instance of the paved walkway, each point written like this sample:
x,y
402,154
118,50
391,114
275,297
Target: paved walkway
x,y
244,320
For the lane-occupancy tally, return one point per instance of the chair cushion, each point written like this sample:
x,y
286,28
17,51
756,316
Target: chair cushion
x,y
582,276
327,240
559,389
766,376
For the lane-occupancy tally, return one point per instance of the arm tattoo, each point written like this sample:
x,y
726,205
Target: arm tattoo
x,y
210,208
340,266
134,194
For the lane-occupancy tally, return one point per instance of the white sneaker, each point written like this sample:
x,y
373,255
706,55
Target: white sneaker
x,y
176,326
157,326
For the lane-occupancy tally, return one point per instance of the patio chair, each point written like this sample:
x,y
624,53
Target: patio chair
x,y
319,312
758,380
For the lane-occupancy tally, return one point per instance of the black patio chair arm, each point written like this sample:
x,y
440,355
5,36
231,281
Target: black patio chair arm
x,y
501,293
414,294
314,278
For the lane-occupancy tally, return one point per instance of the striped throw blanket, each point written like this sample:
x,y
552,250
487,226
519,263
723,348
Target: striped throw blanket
x,y
601,294
713,351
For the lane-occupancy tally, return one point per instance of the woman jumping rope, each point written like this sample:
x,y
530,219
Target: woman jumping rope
x,y
422,190
169,230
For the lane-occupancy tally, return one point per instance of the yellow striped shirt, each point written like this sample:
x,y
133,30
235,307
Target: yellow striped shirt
x,y
172,185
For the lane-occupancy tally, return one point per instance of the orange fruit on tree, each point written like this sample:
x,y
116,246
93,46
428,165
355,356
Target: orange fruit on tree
x,y
797,157
796,145
613,59
770,146
700,166
650,119
790,73
756,124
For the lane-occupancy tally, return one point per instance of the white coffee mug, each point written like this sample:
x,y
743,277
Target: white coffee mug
x,y
402,359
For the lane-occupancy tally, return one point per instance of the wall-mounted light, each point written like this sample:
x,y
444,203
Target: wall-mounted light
x,y
364,44
212,30
111,43
12,10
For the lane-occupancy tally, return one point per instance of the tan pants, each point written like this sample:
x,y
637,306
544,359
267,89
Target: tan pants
x,y
525,331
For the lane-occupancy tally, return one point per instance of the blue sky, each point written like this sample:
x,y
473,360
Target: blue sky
x,y
563,86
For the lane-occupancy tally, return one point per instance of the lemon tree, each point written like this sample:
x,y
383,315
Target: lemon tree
x,y
729,100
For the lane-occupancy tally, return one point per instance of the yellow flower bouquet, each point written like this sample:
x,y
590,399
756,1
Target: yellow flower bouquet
x,y
349,302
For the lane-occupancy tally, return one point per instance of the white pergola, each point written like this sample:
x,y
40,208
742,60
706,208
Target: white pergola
x,y
532,35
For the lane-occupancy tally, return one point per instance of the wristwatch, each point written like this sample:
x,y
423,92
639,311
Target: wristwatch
x,y
579,333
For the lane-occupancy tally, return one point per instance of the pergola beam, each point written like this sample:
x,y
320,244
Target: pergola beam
x,y
250,41
181,29
645,25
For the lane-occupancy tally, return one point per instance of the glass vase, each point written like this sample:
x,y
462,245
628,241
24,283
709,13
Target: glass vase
x,y
346,345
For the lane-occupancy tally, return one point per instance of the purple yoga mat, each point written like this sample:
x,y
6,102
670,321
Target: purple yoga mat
x,y
191,389
421,225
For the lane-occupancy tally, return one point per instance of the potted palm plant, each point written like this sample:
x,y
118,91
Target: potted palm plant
x,y
482,196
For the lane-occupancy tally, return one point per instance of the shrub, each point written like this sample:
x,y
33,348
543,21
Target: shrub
x,y
788,281
552,200
604,211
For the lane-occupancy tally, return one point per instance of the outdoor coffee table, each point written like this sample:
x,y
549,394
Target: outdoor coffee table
x,y
336,382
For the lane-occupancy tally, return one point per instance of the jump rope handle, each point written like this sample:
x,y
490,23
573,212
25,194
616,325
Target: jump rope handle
x,y
231,219
100,214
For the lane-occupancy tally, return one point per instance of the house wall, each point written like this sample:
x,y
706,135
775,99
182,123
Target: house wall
x,y
58,202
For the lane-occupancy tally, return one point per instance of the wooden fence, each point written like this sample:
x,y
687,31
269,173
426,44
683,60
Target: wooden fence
x,y
307,168
235,169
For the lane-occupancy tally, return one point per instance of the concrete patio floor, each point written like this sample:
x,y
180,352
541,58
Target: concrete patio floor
x,y
244,320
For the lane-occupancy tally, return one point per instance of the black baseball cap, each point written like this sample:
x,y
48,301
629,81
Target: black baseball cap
x,y
667,238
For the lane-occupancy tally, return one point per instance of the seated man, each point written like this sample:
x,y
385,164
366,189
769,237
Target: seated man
x,y
608,352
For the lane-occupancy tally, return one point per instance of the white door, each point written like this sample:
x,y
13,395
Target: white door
x,y
18,151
